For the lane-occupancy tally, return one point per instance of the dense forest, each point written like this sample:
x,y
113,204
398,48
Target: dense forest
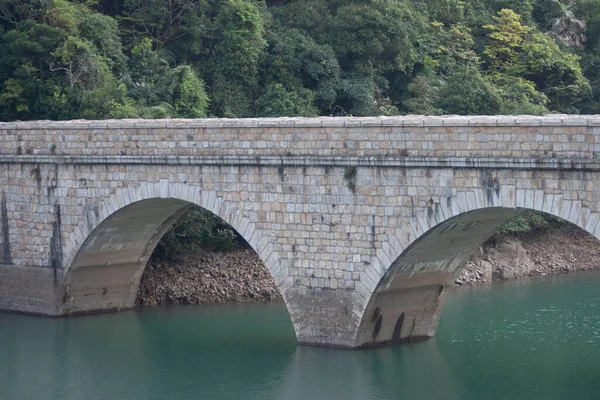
x,y
64,59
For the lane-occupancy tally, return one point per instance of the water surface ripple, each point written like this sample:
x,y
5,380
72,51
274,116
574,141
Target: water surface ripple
x,y
529,339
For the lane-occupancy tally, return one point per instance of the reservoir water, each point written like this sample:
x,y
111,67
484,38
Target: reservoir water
x,y
527,339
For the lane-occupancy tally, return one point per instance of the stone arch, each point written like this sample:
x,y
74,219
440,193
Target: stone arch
x,y
408,274
154,207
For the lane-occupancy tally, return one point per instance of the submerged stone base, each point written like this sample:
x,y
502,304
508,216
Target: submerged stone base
x,y
31,290
325,317
401,316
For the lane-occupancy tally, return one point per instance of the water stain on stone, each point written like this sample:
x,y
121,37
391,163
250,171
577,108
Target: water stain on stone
x,y
6,257
377,327
491,186
375,314
373,234
36,174
56,256
398,328
412,329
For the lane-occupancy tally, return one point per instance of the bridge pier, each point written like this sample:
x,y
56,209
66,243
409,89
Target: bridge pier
x,y
30,289
407,303
327,318
401,316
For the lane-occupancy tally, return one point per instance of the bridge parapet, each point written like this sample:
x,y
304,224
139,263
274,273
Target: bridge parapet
x,y
554,136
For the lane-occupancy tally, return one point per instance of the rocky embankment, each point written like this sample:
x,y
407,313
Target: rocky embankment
x,y
214,277
545,250
207,277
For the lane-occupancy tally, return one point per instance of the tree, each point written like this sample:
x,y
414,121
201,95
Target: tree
x,y
277,101
296,63
519,96
164,91
422,97
232,70
162,21
568,29
28,86
192,58
518,51
555,72
54,58
468,93
451,49
16,11
189,97
506,37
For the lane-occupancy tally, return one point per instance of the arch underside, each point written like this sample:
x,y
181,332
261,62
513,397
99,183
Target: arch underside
x,y
408,300
106,272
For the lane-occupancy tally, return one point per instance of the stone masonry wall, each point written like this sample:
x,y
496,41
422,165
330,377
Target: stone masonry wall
x,y
555,136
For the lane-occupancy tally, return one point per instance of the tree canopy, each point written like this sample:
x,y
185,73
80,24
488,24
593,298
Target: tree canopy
x,y
64,59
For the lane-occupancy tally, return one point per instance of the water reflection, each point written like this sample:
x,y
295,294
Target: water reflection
x,y
418,371
73,358
319,373
215,352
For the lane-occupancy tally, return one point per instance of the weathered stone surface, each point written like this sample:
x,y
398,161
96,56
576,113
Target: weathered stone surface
x,y
204,276
545,250
513,261
348,214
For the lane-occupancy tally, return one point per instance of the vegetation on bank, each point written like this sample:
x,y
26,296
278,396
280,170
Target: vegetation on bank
x,y
64,59
197,230
529,221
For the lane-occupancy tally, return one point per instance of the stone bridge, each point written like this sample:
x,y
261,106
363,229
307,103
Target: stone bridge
x,y
361,221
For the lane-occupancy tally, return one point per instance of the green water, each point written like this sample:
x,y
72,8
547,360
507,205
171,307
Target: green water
x,y
533,339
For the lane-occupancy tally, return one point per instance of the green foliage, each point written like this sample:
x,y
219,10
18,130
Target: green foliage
x,y
109,100
529,221
506,36
277,101
162,21
234,63
468,93
103,33
161,91
196,230
517,51
54,61
190,98
243,58
452,49
302,68
14,12
555,73
448,12
519,96
422,97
